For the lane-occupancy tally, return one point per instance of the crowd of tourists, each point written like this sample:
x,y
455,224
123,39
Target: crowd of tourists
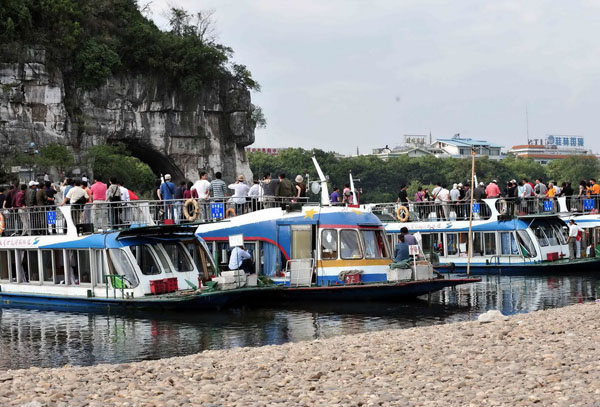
x,y
25,206
518,195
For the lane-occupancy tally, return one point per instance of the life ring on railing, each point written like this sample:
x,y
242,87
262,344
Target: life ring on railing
x,y
502,207
2,224
229,212
402,213
195,213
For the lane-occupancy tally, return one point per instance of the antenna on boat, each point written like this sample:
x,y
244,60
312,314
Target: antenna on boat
x,y
470,235
354,201
324,190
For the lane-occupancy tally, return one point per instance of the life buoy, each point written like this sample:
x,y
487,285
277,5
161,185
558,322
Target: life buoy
x,y
2,224
195,213
229,212
502,207
402,213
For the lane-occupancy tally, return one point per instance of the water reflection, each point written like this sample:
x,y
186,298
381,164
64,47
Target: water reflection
x,y
42,338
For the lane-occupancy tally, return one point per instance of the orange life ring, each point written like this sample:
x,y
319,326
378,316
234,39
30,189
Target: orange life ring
x,y
2,224
402,213
229,212
195,213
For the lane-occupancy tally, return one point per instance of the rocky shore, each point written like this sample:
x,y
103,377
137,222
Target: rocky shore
x,y
547,358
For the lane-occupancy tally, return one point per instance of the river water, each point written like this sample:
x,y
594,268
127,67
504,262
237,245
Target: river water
x,y
53,339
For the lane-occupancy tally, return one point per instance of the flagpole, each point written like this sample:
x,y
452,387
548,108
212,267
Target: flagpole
x,y
470,235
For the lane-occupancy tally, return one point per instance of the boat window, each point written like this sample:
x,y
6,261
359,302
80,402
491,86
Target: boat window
x,y
452,243
374,244
23,276
99,269
84,266
162,258
178,257
550,234
508,243
561,232
34,268
540,236
478,244
432,241
4,264
47,266
489,242
145,260
329,244
119,264
350,245
527,246
59,267
201,258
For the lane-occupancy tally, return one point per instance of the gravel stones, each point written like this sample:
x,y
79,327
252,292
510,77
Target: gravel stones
x,y
547,358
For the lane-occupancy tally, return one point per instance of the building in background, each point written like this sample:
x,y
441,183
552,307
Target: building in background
x,y
458,147
553,147
412,146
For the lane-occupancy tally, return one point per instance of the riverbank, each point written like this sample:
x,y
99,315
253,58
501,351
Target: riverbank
x,y
548,358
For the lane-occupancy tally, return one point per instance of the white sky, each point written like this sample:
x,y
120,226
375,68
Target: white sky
x,y
342,74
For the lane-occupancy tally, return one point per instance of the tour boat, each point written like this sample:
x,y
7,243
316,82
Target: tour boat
x,y
322,252
509,236
136,266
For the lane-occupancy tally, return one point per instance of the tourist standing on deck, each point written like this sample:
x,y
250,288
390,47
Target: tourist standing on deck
x,y
402,196
285,188
335,196
218,187
574,240
178,205
100,213
300,187
167,192
239,195
347,197
254,194
20,203
540,188
492,190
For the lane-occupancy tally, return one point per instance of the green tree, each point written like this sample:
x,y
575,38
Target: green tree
x,y
574,169
56,156
109,161
96,62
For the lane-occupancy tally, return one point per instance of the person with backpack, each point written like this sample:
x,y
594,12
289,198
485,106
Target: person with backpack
x,y
113,195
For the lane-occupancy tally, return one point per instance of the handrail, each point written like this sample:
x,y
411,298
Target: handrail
x,y
121,284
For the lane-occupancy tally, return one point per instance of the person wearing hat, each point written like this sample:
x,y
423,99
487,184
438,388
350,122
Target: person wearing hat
x,y
239,195
167,193
300,187
479,192
574,240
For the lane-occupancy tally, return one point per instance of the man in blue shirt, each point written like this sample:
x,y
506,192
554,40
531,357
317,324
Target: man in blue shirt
x,y
167,192
401,250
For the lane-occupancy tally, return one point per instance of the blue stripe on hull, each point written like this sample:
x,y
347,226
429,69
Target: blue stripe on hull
x,y
364,278
60,303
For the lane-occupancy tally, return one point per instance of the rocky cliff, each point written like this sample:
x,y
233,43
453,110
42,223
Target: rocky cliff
x,y
171,131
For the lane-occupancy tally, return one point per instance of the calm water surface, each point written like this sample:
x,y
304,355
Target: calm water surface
x,y
51,339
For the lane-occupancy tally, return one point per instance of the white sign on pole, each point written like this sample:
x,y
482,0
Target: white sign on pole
x,y
413,249
236,240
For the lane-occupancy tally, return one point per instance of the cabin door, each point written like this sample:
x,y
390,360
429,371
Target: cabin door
x,y
302,245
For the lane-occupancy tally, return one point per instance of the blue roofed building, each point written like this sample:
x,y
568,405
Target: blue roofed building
x,y
458,147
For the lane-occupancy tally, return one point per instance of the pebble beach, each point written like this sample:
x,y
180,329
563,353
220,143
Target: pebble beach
x,y
545,358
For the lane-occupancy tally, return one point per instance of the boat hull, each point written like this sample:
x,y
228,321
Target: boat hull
x,y
367,292
204,301
548,268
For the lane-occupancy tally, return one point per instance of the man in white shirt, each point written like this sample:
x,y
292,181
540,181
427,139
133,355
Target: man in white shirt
x,y
202,186
443,197
574,240
240,194
240,259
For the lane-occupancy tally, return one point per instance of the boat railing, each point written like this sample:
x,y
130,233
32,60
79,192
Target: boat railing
x,y
112,216
484,209
118,283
